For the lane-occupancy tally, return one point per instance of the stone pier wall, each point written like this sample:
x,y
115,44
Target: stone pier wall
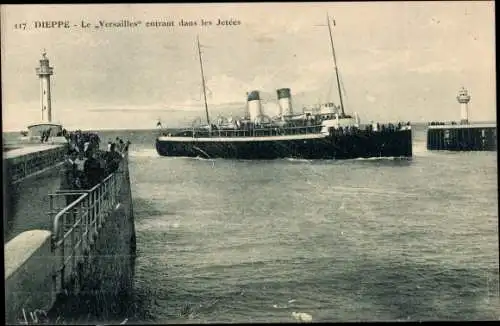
x,y
103,278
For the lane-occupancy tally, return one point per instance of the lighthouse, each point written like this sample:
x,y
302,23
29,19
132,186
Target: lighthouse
x,y
464,136
44,71
463,98
45,130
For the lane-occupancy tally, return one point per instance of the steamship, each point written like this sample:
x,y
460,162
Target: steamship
x,y
320,132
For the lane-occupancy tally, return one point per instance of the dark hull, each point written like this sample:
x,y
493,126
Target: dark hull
x,y
349,146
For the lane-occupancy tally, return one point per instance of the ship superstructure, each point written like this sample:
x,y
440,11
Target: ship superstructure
x,y
321,132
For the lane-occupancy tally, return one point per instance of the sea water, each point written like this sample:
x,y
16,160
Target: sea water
x,y
278,241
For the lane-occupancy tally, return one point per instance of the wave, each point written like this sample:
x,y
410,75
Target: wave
x,y
380,158
143,153
159,224
297,160
373,191
153,153
302,316
200,158
148,152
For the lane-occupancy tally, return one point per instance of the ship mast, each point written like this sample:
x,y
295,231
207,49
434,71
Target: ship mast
x,y
335,65
203,80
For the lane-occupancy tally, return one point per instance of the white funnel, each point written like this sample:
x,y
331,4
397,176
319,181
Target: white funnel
x,y
285,101
254,105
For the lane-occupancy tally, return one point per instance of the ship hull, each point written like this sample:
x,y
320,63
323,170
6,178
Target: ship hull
x,y
348,146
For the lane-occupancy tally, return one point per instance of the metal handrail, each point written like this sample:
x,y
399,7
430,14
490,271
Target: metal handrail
x,y
59,236
76,226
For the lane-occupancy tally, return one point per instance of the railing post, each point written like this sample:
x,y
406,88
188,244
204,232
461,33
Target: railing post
x,y
93,202
72,243
95,213
55,269
51,208
90,217
110,193
86,223
102,206
81,229
96,217
113,181
60,236
105,207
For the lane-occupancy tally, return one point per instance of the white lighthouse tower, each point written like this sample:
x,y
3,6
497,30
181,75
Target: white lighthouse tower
x,y
463,98
45,130
44,71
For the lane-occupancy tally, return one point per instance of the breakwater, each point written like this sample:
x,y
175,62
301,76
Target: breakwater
x,y
89,251
462,137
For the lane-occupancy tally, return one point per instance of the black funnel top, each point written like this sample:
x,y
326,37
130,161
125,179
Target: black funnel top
x,y
253,96
283,93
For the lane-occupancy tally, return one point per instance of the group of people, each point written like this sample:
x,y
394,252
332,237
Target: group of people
x,y
389,127
80,141
86,165
439,123
120,145
44,137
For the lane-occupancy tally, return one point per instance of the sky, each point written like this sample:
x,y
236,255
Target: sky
x,y
398,61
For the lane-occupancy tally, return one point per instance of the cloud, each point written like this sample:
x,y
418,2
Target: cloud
x,y
264,39
135,110
434,68
370,98
224,88
394,52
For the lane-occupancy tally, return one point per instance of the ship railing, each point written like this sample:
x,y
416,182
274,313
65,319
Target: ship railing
x,y
77,217
270,131
26,165
311,129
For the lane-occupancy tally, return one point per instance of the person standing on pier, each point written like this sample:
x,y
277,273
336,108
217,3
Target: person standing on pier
x,y
113,159
68,172
68,177
121,146
127,144
92,169
80,170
